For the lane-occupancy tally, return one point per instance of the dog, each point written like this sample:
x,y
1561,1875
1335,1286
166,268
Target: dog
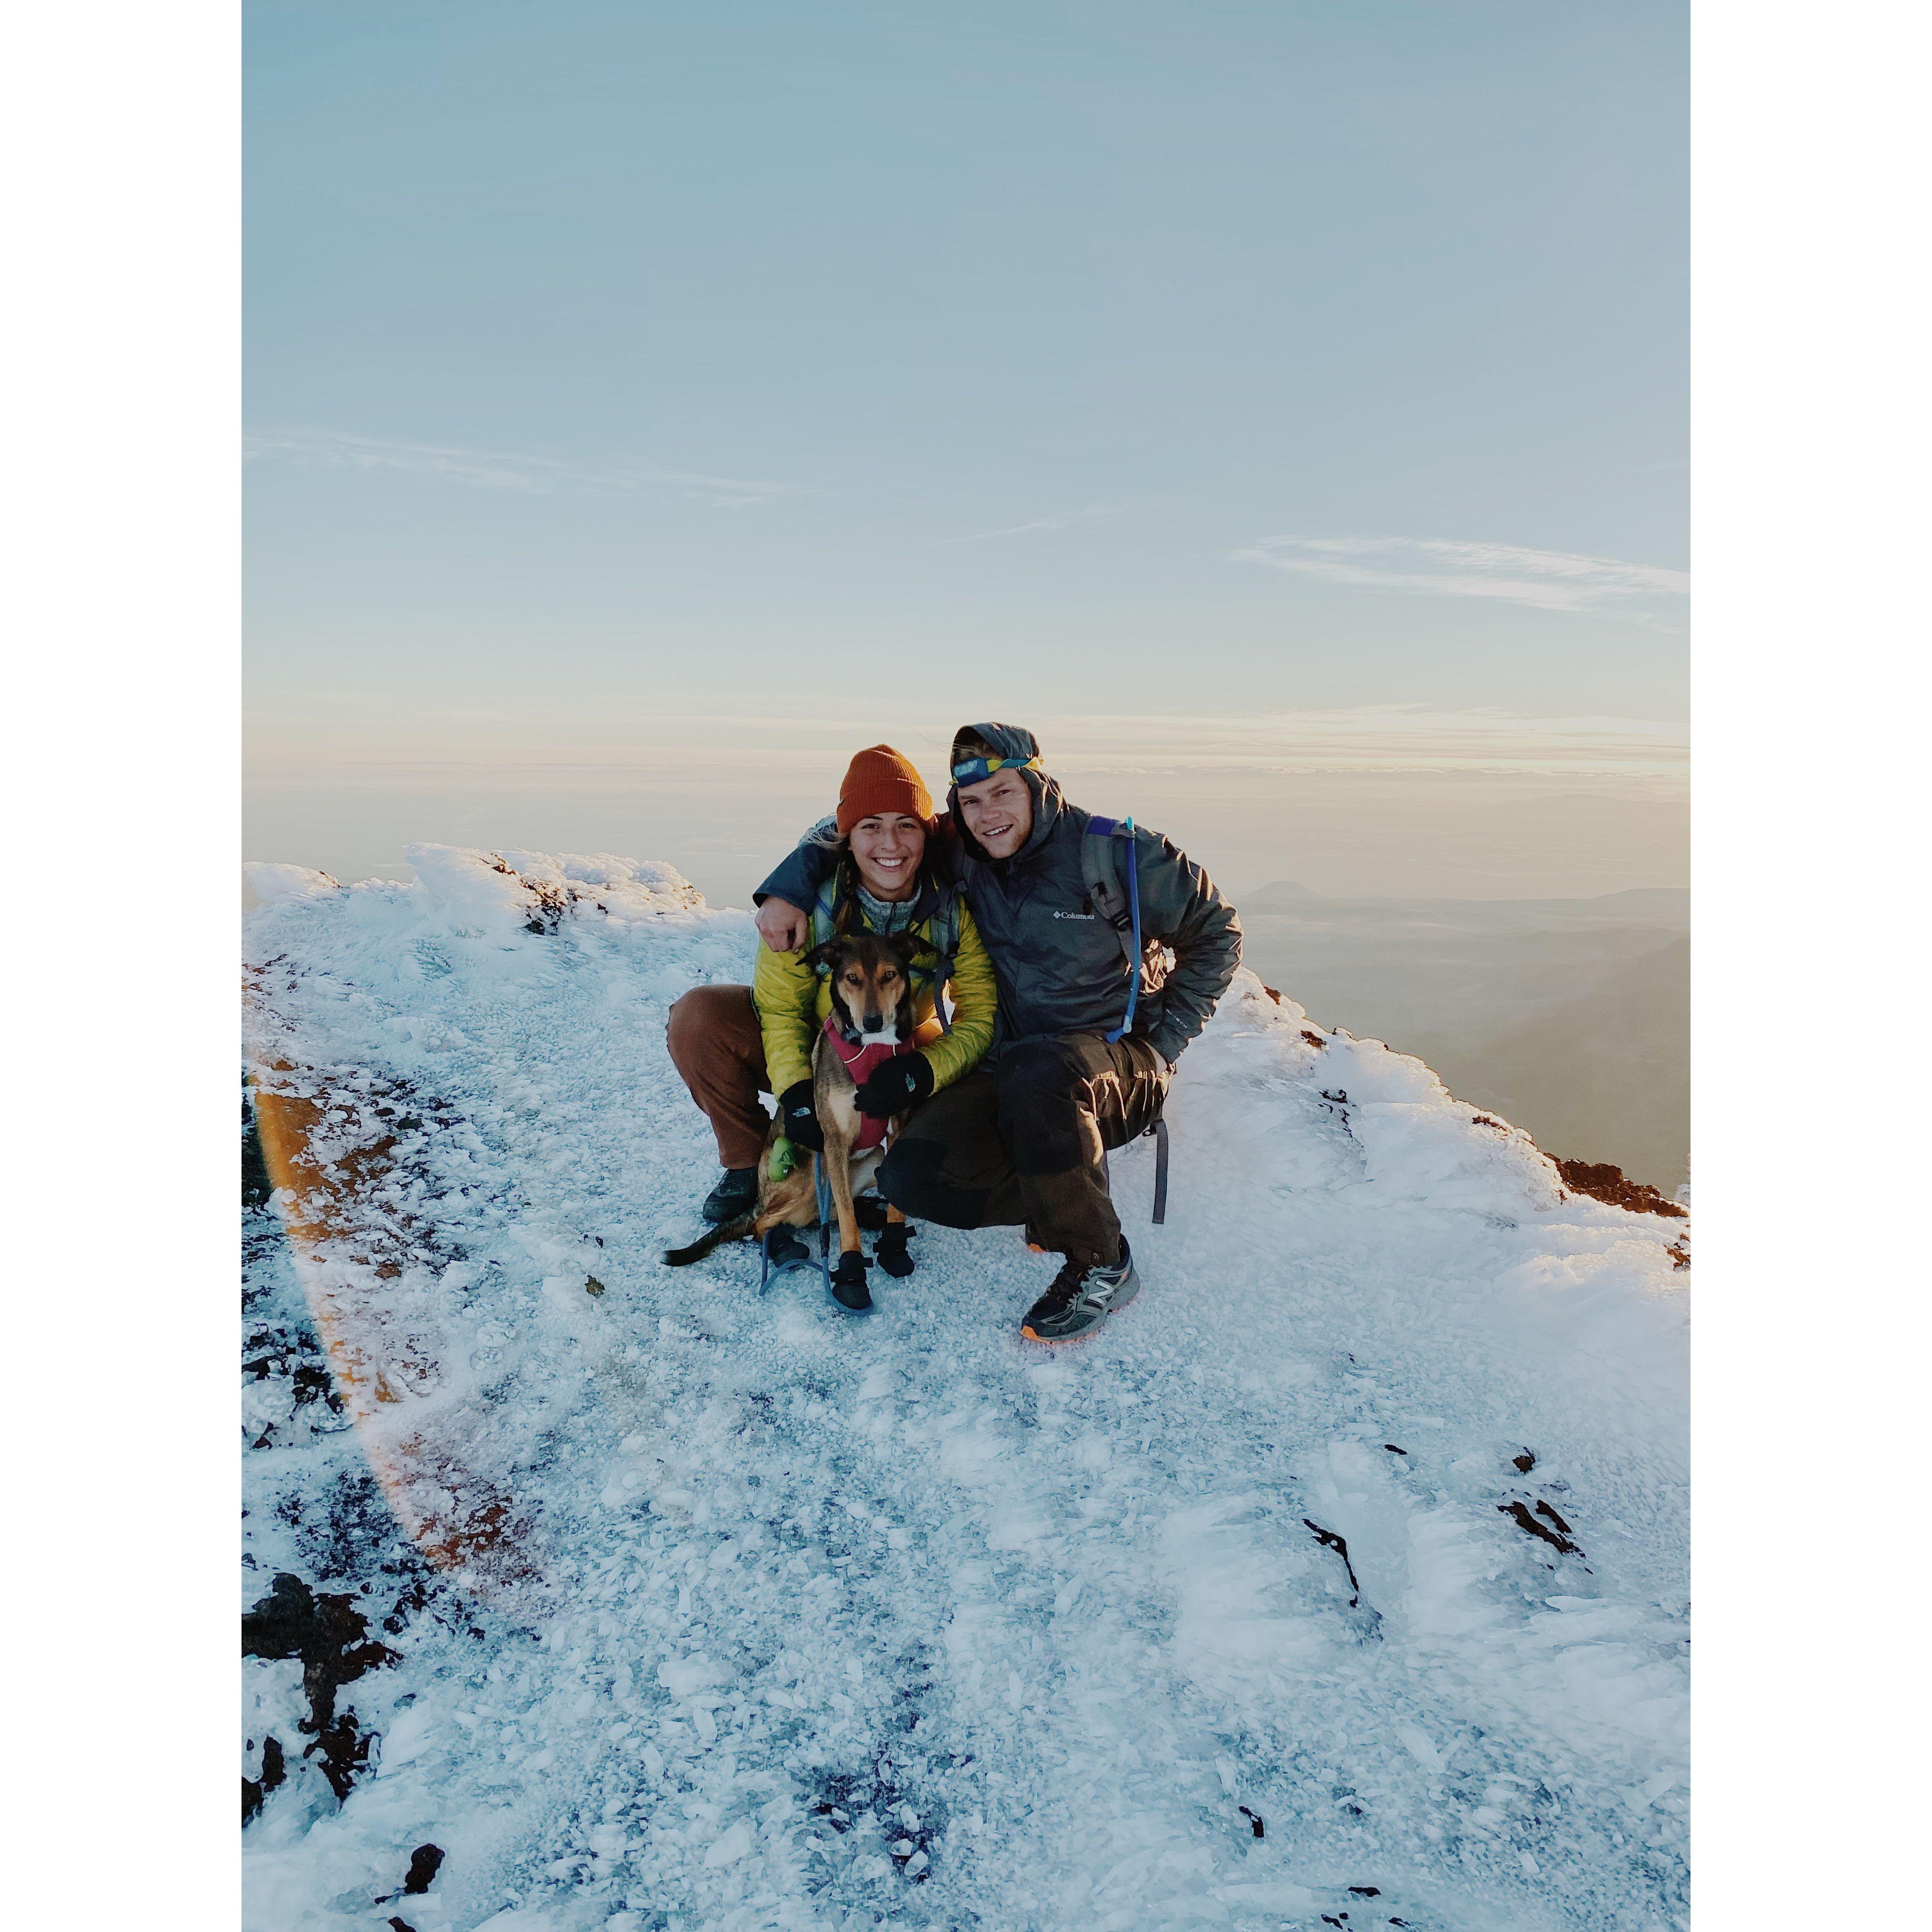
x,y
872,1009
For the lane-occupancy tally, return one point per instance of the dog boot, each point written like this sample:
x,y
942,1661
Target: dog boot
x,y
891,1254
848,1284
785,1248
733,1196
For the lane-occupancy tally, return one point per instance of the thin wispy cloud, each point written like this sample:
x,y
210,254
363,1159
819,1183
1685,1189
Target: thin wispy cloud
x,y
503,469
1063,520
1546,579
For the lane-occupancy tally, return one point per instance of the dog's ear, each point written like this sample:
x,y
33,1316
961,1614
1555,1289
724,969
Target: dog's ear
x,y
903,946
821,958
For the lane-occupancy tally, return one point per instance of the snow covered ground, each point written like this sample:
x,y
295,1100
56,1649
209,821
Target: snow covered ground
x,y
778,1618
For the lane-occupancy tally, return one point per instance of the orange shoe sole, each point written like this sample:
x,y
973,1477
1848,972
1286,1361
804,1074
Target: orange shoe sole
x,y
1061,1341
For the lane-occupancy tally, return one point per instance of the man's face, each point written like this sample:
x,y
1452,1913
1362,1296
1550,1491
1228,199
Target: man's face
x,y
998,812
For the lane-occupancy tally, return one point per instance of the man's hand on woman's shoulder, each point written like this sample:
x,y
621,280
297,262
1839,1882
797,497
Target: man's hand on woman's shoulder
x,y
782,926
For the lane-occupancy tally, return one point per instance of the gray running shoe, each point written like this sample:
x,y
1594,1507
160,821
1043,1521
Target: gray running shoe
x,y
736,1194
1081,1299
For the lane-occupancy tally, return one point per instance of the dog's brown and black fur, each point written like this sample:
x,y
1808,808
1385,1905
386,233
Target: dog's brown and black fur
x,y
871,1002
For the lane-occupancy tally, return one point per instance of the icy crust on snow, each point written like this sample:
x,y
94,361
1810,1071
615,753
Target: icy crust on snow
x,y
838,1623
269,882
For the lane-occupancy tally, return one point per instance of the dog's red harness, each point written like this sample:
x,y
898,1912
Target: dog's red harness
x,y
859,1061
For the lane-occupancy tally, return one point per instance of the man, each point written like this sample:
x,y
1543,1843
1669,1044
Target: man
x,y
1084,1048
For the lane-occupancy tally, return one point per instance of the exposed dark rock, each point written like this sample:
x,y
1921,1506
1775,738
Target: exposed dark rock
x,y
345,1751
425,1861
328,1635
1329,1539
1603,1182
1559,1538
275,1770
255,1185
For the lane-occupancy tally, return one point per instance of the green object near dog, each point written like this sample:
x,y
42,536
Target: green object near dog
x,y
785,1158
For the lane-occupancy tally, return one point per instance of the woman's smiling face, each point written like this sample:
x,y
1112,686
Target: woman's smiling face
x,y
886,848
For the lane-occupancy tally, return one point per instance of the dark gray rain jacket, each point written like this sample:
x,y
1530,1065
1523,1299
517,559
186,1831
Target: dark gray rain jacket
x,y
1059,964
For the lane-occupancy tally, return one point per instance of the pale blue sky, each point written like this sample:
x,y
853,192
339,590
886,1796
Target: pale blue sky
x,y
629,361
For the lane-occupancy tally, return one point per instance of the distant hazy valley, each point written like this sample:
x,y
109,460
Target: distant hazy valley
x,y
1571,1018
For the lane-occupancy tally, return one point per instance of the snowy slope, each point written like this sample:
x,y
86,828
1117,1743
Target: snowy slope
x,y
804,1621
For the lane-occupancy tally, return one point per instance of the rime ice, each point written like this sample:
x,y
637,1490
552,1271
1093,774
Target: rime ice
x,y
824,1625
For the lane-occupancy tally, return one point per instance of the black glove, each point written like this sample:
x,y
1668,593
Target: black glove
x,y
894,1084
798,1120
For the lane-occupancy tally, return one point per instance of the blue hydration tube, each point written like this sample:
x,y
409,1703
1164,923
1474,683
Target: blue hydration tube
x,y
1134,909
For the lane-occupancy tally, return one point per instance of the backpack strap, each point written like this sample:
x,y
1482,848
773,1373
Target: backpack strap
x,y
1099,862
943,935
1099,866
824,914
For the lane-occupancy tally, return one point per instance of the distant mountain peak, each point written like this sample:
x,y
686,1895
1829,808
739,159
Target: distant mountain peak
x,y
1277,888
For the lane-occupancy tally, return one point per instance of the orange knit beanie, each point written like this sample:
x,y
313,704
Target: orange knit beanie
x,y
882,780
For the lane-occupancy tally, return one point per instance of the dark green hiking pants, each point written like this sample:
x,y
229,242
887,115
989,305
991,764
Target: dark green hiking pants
x,y
1020,1141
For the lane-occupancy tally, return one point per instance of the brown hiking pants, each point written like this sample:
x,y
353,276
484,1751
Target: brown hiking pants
x,y
1021,1140
718,1049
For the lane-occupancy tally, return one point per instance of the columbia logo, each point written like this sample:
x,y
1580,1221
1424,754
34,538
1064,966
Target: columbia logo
x,y
1075,915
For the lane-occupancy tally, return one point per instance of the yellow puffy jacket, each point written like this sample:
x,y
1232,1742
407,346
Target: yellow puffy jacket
x,y
793,1001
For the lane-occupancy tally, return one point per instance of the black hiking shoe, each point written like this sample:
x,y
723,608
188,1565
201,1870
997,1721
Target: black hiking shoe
x,y
848,1284
1081,1299
869,1211
736,1194
891,1254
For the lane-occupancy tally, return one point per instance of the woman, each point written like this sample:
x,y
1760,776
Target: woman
x,y
732,1043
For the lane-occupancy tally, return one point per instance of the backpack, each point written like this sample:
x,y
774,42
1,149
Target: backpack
x,y
1100,868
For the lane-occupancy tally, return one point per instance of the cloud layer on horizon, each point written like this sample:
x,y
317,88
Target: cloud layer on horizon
x,y
1546,579
556,733
500,469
